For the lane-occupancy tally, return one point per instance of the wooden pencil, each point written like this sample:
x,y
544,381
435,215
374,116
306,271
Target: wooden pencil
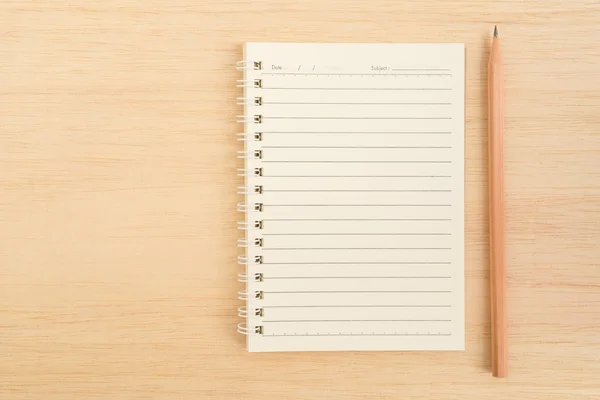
x,y
496,209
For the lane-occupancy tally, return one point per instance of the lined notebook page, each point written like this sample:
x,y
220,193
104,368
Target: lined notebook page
x,y
355,205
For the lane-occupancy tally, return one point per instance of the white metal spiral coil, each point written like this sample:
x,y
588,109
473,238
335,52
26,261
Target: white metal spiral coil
x,y
246,119
251,151
257,154
243,295
249,83
244,154
246,172
248,65
243,312
249,101
245,83
244,137
246,330
243,101
257,277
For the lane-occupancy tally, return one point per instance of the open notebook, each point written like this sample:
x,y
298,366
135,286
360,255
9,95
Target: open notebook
x,y
354,196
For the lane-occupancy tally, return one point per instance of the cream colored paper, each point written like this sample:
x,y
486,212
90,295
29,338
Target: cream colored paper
x,y
359,223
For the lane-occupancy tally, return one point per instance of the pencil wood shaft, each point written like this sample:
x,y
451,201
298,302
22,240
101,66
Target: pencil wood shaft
x,y
496,211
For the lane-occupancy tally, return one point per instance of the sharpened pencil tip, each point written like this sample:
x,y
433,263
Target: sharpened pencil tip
x,y
495,31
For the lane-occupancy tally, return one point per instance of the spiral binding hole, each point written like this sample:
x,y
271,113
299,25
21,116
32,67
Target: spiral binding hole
x,y
258,206
258,277
258,101
258,172
257,119
258,154
258,224
258,189
258,83
259,294
258,136
258,242
258,259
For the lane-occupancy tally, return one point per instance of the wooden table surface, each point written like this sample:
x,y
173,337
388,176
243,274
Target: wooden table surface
x,y
117,200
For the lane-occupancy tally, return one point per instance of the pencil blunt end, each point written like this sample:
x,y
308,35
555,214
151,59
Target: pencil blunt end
x,y
495,31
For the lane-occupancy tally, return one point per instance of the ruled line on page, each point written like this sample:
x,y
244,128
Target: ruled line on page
x,y
357,219
367,306
357,190
361,291
421,69
357,205
358,334
356,147
357,277
357,234
362,161
265,117
356,176
353,74
353,320
355,88
363,132
352,104
352,248
420,263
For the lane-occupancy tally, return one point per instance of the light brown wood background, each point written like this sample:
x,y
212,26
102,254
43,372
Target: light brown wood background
x,y
117,200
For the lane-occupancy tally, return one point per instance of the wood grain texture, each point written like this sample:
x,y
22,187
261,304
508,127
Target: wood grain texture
x,y
117,204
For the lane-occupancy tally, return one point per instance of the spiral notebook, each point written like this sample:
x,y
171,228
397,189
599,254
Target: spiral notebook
x,y
354,197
